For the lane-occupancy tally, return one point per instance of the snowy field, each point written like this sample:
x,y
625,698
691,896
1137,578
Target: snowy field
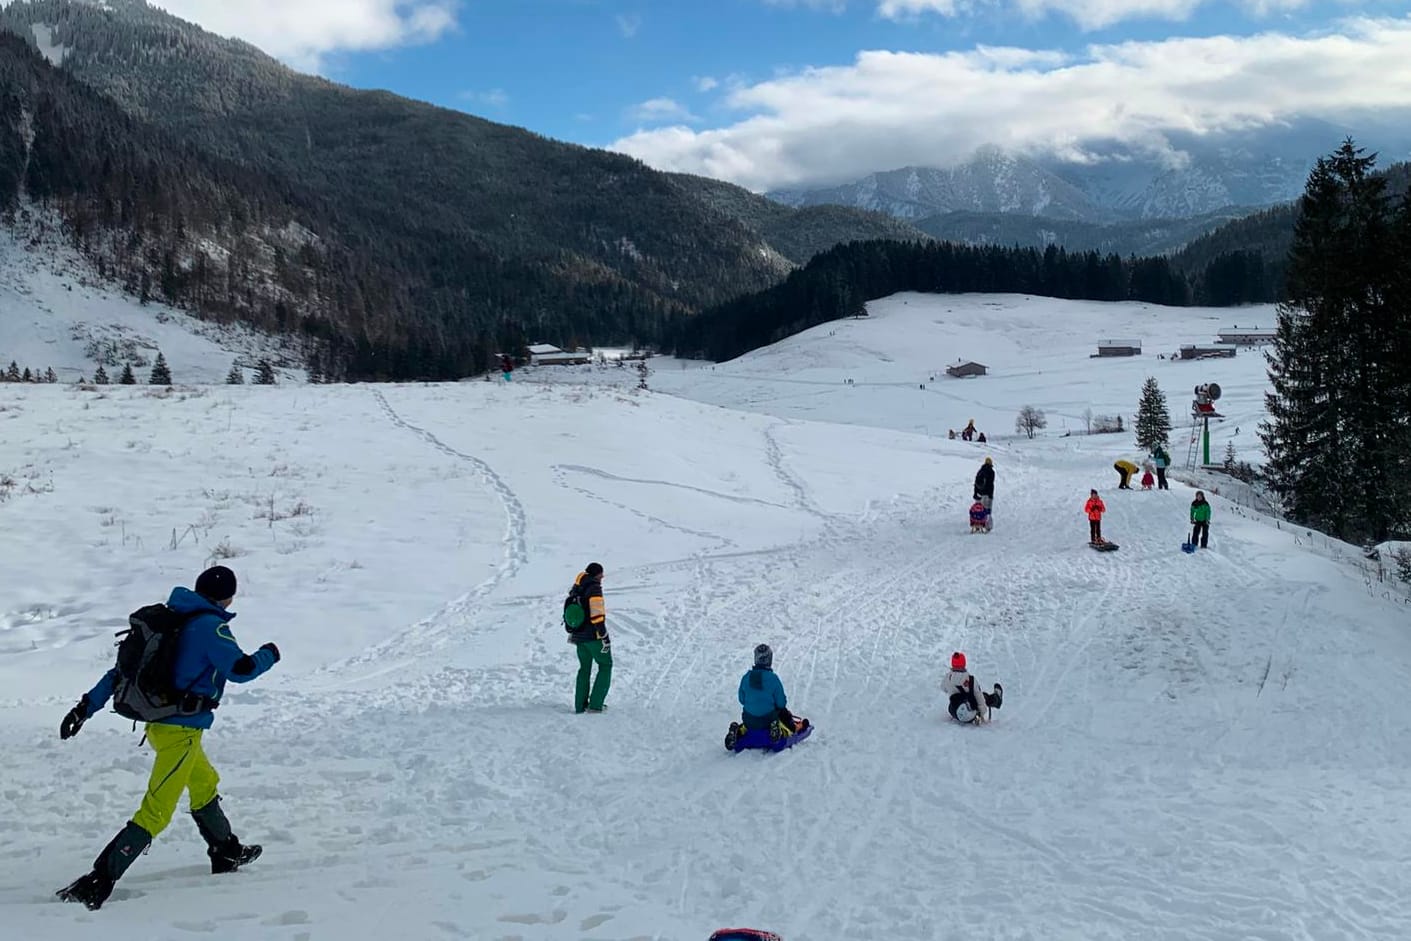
x,y
1191,747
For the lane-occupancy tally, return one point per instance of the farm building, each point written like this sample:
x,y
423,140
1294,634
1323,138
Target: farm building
x,y
1119,348
1207,351
1246,336
544,354
966,369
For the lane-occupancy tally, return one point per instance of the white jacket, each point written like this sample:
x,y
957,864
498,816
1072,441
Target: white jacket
x,y
959,681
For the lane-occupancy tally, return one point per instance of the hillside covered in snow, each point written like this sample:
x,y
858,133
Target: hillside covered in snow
x,y
1198,746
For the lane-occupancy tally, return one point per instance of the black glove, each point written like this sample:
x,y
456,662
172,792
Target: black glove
x,y
74,720
272,649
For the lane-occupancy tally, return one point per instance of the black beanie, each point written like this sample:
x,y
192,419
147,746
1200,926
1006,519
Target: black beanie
x,y
216,583
594,569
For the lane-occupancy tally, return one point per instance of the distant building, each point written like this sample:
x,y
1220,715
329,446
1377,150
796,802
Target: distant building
x,y
966,369
1208,351
544,354
1119,348
1246,336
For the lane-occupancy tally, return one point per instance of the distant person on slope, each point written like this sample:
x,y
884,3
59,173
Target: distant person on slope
x,y
206,656
585,619
762,699
1162,460
967,701
968,433
1200,521
1094,508
1125,469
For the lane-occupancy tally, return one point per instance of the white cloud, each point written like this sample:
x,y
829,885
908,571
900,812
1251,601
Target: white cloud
x,y
302,32
705,82
492,98
1088,14
832,6
628,24
662,111
890,109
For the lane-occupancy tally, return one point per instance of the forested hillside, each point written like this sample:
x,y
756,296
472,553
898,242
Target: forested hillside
x,y
465,235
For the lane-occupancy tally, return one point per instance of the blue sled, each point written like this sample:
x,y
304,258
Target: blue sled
x,y
740,738
1188,547
744,934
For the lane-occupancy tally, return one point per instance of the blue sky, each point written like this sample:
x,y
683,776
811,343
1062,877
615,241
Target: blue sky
x,y
580,69
774,93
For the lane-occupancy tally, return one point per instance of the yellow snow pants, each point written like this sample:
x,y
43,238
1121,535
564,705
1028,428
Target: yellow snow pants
x,y
180,765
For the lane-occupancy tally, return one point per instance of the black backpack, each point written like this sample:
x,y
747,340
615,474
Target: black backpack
x,y
145,689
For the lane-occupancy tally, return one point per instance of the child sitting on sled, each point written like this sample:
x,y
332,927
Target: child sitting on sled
x,y
762,698
979,517
968,703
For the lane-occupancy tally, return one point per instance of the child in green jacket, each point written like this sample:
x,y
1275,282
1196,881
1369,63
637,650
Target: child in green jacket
x,y
1200,521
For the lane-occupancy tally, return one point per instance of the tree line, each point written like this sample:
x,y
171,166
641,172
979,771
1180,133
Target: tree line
x,y
1338,436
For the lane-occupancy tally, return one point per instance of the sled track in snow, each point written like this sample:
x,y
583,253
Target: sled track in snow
x,y
431,630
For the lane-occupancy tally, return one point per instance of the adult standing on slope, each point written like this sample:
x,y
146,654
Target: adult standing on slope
x,y
585,619
985,489
1162,459
206,656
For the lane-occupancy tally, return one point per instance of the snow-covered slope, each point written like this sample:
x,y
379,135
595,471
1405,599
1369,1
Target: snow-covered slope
x,y
1191,746
55,312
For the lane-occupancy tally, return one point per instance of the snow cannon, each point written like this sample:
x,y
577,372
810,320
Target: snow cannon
x,y
1207,392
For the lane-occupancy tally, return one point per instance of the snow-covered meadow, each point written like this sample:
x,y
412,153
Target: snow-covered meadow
x,y
1203,746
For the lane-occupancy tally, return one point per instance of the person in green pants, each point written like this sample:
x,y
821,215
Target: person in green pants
x,y
585,619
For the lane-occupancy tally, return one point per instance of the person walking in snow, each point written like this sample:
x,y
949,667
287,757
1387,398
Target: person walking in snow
x,y
1147,480
968,703
1125,469
1094,508
1200,521
985,484
762,699
968,432
206,656
585,619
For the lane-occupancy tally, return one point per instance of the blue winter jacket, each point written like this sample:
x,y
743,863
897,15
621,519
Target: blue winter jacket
x,y
761,694
206,657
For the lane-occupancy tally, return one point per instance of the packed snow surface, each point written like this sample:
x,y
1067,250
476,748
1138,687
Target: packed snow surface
x,y
1206,746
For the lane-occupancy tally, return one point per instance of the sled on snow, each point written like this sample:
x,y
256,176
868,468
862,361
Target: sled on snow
x,y
1188,547
744,934
739,738
1104,546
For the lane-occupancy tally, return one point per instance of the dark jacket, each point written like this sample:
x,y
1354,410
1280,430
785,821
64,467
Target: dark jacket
x,y
588,591
985,481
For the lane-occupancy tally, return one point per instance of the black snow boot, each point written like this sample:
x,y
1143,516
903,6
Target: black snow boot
x,y
995,699
94,888
226,852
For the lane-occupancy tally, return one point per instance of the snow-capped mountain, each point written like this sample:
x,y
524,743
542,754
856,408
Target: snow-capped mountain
x,y
991,181
1192,176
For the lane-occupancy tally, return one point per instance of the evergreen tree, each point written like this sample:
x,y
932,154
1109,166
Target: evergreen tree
x,y
1229,462
28,376
100,376
264,373
236,376
1337,432
1153,426
161,375
50,375
127,378
13,373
